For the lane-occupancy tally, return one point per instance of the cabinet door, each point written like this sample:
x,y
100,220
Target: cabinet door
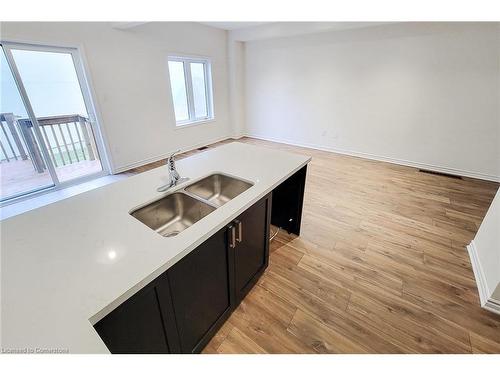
x,y
251,253
200,287
136,326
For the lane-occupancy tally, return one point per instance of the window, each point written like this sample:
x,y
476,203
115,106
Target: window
x,y
191,84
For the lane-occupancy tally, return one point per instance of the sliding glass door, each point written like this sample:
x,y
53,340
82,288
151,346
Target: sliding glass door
x,y
52,118
23,166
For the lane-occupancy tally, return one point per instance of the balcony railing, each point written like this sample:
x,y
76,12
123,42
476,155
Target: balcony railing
x,y
68,139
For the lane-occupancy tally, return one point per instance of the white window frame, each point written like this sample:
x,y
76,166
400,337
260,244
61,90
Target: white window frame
x,y
186,61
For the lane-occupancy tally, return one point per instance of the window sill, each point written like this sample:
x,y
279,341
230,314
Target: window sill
x,y
193,123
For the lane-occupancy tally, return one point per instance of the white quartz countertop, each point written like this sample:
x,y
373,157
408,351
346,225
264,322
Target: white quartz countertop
x,y
66,265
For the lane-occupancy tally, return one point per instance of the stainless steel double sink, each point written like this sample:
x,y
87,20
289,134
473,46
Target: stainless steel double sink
x,y
177,211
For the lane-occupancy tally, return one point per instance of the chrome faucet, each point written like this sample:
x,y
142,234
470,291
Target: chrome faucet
x,y
174,176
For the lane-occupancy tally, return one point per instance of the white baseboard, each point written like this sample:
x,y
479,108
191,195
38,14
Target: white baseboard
x,y
482,286
408,163
453,171
239,136
165,155
492,305
487,302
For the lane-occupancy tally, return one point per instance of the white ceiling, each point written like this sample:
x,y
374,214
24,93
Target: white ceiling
x,y
247,31
126,25
232,25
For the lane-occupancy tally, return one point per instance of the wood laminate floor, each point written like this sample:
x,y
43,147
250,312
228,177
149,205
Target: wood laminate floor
x,y
380,266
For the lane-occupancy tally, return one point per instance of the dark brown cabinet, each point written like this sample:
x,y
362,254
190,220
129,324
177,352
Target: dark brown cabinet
x,y
208,283
181,310
251,246
143,323
201,286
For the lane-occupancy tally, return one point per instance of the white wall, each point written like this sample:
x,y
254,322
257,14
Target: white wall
x,y
128,71
236,62
423,94
420,94
487,242
485,256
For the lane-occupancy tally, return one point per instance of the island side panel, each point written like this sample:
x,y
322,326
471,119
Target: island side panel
x,y
288,199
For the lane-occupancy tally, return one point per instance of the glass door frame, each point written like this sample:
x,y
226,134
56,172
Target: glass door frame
x,y
75,53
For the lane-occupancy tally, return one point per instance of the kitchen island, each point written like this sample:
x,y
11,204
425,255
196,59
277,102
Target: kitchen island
x,y
69,265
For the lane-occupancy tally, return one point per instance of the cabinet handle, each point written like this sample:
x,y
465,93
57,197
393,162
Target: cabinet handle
x,y
232,236
240,231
